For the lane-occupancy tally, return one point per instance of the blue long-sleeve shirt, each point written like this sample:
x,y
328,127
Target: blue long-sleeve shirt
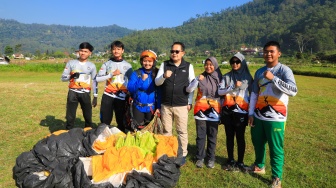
x,y
144,92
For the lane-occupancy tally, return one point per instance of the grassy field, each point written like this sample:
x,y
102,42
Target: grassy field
x,y
33,105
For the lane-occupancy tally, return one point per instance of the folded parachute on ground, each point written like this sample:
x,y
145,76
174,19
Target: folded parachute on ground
x,y
54,161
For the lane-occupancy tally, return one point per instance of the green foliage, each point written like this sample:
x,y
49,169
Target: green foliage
x,y
33,67
9,51
322,70
250,25
47,38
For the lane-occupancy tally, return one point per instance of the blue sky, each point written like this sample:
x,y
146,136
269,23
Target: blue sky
x,y
132,14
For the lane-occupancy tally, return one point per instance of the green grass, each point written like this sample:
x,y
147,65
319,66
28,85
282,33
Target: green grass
x,y
33,105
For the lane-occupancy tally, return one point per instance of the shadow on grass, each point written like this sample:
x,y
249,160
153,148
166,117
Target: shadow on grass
x,y
261,178
192,151
57,124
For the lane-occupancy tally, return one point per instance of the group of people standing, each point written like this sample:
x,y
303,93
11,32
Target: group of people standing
x,y
234,99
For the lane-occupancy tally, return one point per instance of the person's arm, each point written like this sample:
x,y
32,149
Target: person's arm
x,y
288,85
253,100
191,78
159,77
94,81
66,73
193,85
223,89
158,96
244,85
133,83
102,76
252,105
94,85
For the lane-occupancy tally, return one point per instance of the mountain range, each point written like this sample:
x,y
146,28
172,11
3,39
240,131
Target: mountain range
x,y
299,25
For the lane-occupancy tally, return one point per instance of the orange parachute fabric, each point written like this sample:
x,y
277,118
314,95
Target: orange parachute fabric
x,y
167,145
116,161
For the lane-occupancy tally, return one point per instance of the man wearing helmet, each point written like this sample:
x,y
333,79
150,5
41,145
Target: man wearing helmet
x,y
174,76
143,91
116,73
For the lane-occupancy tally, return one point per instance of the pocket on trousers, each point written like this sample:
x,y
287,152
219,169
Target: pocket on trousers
x,y
240,119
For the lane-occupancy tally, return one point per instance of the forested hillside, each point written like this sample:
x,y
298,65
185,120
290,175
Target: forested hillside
x,y
41,37
299,25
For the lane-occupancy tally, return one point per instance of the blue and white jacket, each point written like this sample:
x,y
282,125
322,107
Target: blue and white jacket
x,y
145,94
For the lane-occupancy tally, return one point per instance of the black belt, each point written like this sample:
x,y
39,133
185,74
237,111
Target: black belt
x,y
142,104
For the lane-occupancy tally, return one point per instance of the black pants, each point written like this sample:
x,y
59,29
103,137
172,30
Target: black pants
x,y
110,104
206,131
84,100
232,129
140,117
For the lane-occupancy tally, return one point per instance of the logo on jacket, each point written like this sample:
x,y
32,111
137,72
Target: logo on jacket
x,y
184,71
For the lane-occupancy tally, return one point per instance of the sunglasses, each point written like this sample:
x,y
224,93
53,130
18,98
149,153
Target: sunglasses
x,y
233,62
175,51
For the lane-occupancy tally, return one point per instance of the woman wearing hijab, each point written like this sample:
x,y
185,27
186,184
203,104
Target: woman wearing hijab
x,y
207,111
236,88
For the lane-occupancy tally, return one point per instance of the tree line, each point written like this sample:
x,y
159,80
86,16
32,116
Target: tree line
x,y
301,26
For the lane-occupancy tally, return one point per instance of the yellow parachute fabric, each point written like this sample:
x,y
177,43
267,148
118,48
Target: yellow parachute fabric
x,y
116,161
167,145
135,151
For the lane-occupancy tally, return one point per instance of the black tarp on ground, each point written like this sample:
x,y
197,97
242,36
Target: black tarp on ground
x,y
59,155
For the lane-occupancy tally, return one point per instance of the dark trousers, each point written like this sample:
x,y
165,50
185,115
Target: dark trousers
x,y
232,129
110,105
84,100
140,117
206,131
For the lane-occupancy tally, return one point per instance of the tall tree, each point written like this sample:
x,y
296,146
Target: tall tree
x,y
9,51
301,40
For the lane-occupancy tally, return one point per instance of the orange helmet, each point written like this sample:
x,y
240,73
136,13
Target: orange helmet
x,y
148,53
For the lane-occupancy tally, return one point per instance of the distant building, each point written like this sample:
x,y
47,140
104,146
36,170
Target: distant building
x,y
249,52
18,56
163,55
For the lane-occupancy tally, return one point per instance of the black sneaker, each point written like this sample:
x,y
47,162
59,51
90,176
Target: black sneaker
x,y
241,167
229,165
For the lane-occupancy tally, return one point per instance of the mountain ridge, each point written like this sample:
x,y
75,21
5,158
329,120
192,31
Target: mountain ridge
x,y
299,25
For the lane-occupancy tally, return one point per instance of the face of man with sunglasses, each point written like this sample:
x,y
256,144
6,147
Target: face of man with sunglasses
x,y
176,54
235,63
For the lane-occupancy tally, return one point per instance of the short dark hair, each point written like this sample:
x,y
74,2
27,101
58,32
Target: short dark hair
x,y
272,43
117,43
179,43
86,45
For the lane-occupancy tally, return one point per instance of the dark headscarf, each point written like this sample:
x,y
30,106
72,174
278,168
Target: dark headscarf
x,y
209,85
243,73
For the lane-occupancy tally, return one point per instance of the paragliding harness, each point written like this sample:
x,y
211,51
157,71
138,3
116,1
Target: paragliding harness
x,y
130,123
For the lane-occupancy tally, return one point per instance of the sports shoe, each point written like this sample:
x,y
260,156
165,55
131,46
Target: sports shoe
x,y
211,164
276,183
229,165
199,163
241,167
255,169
